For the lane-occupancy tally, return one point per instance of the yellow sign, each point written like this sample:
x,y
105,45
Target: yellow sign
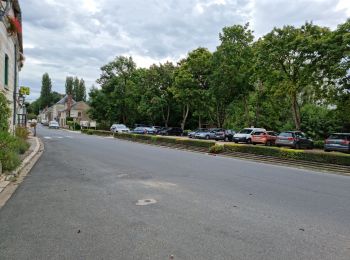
x,y
24,91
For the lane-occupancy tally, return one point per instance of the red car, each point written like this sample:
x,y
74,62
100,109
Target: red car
x,y
266,138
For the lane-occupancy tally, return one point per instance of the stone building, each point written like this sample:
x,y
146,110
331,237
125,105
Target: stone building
x,y
11,54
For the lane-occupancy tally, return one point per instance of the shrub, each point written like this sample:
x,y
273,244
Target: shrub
x,y
4,113
73,126
96,132
10,148
22,132
196,143
319,144
290,154
216,149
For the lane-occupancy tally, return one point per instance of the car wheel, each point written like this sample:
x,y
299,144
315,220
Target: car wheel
x,y
207,137
297,146
249,141
236,142
254,143
226,139
327,151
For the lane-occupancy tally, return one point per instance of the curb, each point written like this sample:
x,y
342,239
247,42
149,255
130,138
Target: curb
x,y
7,188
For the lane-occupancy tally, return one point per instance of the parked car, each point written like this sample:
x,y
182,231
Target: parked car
x,y
192,133
119,128
139,130
225,135
294,139
54,125
171,131
266,138
245,135
208,133
45,122
338,142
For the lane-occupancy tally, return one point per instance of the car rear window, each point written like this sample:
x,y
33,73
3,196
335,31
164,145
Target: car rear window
x,y
286,134
340,136
259,133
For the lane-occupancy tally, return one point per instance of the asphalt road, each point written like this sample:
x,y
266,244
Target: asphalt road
x,y
79,202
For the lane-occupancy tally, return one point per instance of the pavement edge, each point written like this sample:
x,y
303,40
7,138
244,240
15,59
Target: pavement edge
x,y
7,188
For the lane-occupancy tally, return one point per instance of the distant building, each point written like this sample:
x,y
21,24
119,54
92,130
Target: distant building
x,y
78,111
11,55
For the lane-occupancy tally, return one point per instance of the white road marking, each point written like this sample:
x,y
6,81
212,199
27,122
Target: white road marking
x,y
69,137
48,137
59,137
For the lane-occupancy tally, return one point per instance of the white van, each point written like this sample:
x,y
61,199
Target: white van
x,y
245,135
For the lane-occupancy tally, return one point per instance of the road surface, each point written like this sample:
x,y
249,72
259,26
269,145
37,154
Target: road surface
x,y
80,202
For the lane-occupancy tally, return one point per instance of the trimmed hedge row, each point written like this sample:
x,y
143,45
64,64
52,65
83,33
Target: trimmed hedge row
x,y
283,153
290,154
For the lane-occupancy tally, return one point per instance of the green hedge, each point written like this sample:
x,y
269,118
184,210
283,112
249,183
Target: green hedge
x,y
10,149
96,132
196,143
319,144
284,153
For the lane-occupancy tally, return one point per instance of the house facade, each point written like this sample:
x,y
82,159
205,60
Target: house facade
x,y
11,55
78,111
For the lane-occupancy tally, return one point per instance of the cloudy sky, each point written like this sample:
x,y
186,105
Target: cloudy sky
x,y
75,38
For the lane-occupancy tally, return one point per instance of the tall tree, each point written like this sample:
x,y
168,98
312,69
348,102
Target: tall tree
x,y
76,83
232,69
289,57
81,91
69,85
116,79
46,91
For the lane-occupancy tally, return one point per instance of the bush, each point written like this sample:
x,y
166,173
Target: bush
x,y
290,154
319,144
10,149
196,143
4,113
216,149
22,132
73,126
96,132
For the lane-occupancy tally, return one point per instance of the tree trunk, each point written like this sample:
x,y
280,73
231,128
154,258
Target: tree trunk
x,y
199,122
218,115
186,109
296,112
246,110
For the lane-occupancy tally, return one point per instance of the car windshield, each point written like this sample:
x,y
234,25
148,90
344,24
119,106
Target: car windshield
x,y
259,133
246,131
120,126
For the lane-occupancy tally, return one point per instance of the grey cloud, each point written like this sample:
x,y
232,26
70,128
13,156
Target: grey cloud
x,y
64,38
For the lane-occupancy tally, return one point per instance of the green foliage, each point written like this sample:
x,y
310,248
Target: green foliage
x,y
341,159
69,85
10,148
22,132
4,113
73,126
46,91
216,149
291,78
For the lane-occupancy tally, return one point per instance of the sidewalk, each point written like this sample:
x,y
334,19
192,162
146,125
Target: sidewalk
x,y
9,182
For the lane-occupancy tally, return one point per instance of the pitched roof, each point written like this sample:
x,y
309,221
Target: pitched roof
x,y
64,100
81,105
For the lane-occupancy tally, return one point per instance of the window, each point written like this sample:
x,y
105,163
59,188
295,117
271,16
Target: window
x,y
79,114
6,71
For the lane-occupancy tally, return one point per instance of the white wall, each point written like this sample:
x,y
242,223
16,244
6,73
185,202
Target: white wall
x,y
7,46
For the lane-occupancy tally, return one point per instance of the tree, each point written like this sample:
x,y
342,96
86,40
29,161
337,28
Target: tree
x,y
232,68
290,57
46,94
69,85
81,91
116,81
